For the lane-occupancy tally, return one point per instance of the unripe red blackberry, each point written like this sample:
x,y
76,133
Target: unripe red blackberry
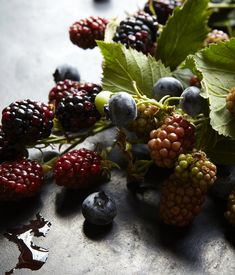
x,y
138,32
77,111
163,9
145,121
180,201
230,213
215,36
85,32
68,87
196,168
20,179
230,101
78,169
27,121
173,137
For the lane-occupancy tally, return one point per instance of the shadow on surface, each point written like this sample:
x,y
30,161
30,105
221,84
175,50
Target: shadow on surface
x,y
69,201
14,213
96,232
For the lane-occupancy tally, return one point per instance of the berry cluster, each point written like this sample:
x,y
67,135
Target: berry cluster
x,y
168,123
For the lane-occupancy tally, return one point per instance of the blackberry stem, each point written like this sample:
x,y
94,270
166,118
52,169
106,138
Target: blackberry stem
x,y
221,6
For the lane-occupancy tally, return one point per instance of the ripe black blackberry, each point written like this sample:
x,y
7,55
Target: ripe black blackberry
x,y
68,87
85,32
77,111
27,121
9,151
145,121
173,137
162,8
139,32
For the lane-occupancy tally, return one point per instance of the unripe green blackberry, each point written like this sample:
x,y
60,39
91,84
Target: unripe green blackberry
x,y
162,8
215,36
230,213
180,201
174,137
230,101
145,121
196,168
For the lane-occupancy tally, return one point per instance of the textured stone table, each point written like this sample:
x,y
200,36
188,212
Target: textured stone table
x,y
34,40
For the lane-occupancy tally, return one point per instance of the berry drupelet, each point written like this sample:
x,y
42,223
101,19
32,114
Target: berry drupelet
x,y
173,137
230,213
27,121
10,151
138,32
68,87
180,201
145,121
77,111
230,101
85,32
215,36
162,8
20,179
78,169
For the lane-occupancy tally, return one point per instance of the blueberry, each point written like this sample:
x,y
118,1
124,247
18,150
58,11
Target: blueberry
x,y
66,71
192,103
167,86
99,208
122,109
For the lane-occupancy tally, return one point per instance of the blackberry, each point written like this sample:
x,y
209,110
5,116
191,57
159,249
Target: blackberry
x,y
85,32
230,101
173,137
180,201
139,32
215,36
145,122
20,179
9,151
197,168
78,169
27,121
230,213
162,8
68,87
77,111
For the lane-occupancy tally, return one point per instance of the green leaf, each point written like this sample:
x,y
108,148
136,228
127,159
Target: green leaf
x,y
122,66
216,65
184,33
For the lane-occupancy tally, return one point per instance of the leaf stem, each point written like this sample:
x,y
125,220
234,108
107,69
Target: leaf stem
x,y
221,6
